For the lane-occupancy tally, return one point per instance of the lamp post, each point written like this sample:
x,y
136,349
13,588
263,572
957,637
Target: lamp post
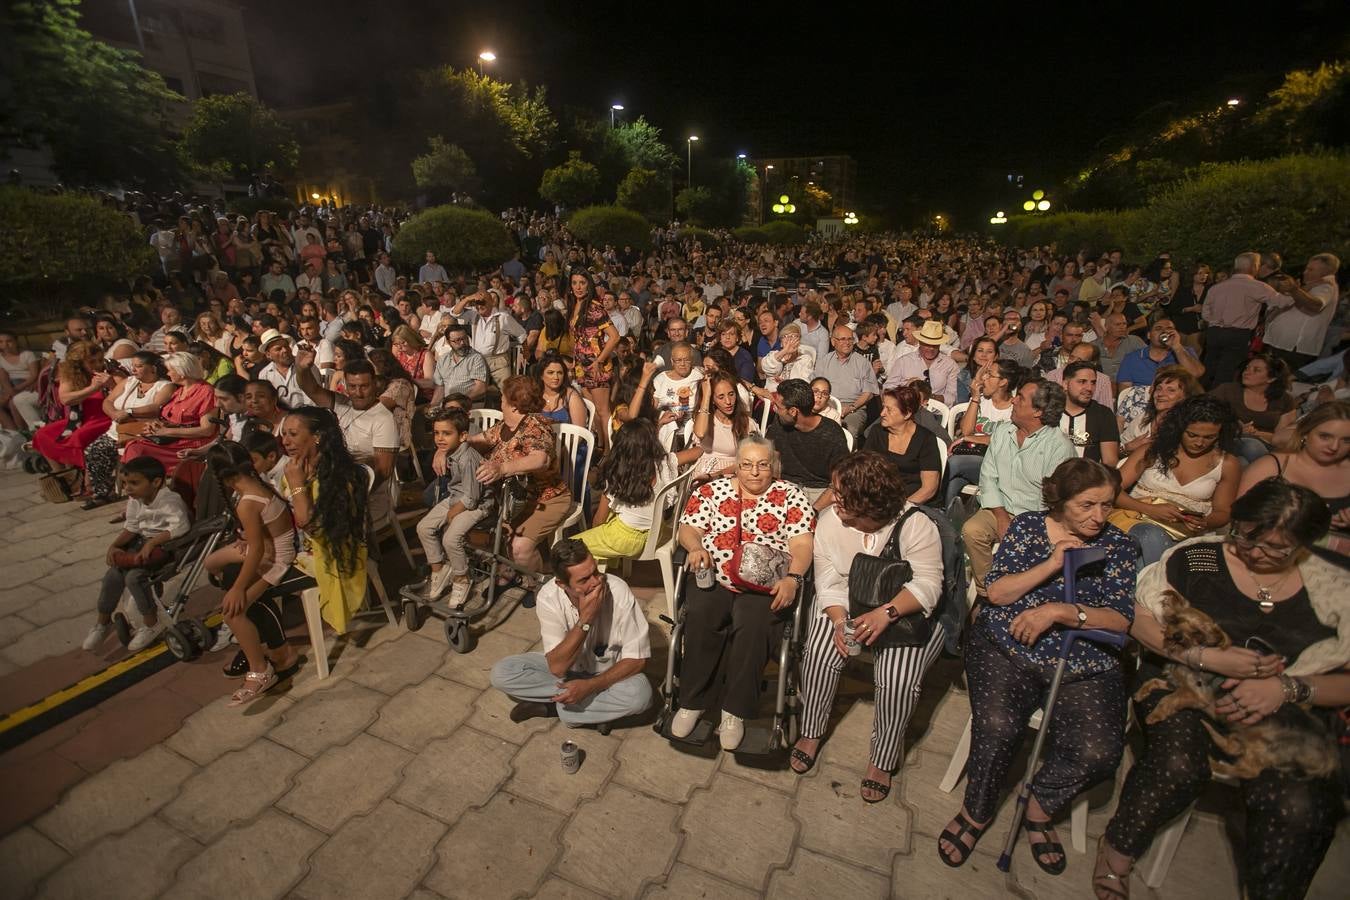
x,y
689,174
614,108
764,193
486,56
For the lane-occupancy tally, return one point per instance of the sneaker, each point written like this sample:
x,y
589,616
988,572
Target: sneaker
x,y
732,731
437,583
143,637
224,637
459,593
95,637
683,724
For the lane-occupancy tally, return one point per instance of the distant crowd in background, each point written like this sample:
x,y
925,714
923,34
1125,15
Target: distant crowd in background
x,y
1190,417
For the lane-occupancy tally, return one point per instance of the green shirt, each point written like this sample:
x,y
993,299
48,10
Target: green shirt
x,y
1011,476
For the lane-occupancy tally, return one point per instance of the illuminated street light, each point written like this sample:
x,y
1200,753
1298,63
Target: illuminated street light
x,y
779,208
1043,205
689,176
486,56
315,196
1233,101
741,155
1038,195
1029,205
613,108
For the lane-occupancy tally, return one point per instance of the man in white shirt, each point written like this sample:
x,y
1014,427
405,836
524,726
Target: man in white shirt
x,y
281,371
301,233
675,390
595,647
385,276
928,364
1296,322
490,332
310,279
431,271
902,308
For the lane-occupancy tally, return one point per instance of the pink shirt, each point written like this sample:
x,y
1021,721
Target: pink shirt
x,y
1236,303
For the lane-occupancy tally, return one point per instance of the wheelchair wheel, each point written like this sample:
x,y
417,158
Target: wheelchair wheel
x,y
197,634
179,644
412,615
458,635
122,627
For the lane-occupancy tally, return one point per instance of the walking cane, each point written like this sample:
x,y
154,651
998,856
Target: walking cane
x,y
1073,561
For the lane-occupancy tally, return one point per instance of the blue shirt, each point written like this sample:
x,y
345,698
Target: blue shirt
x,y
762,346
1108,584
1139,368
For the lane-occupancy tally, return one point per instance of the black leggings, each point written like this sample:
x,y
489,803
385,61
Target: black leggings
x,y
1290,820
1087,731
264,613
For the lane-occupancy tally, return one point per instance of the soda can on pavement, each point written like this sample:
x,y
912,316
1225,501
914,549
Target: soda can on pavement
x,y
571,757
851,642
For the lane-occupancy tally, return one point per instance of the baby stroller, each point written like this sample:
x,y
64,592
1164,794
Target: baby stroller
x,y
763,736
484,567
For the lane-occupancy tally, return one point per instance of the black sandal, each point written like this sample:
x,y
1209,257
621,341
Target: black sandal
x,y
869,785
1046,848
963,827
808,762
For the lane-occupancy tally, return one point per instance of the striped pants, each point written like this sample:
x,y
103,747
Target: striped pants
x,y
897,671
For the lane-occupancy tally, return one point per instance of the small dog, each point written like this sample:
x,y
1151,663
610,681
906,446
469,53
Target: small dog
x,y
1251,748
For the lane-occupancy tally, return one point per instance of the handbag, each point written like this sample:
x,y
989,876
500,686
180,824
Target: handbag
x,y
131,429
59,487
1125,519
755,567
873,581
966,448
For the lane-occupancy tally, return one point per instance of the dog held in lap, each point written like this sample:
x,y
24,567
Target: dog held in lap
x,y
1250,748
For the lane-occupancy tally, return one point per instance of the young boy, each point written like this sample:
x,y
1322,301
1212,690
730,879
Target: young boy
x,y
459,504
268,459
154,515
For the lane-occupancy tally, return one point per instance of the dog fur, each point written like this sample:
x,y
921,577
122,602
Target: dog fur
x,y
1251,749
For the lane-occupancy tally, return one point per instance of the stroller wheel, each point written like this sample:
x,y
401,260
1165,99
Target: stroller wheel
x,y
179,644
412,615
29,465
458,636
123,628
41,466
197,634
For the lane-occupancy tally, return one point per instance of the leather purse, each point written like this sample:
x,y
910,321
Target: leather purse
x,y
873,581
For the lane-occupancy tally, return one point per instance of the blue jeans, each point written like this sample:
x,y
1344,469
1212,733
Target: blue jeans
x,y
526,676
1251,449
961,471
1153,542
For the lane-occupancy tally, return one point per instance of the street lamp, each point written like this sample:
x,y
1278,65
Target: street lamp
x,y
689,176
1043,205
613,108
1233,101
740,156
486,56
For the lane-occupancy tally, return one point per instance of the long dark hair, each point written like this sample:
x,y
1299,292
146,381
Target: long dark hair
x,y
584,307
154,361
386,365
626,388
1278,370
230,459
971,365
340,507
555,324
740,416
628,471
1200,409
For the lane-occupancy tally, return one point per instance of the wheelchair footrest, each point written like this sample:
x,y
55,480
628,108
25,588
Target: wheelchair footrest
x,y
701,734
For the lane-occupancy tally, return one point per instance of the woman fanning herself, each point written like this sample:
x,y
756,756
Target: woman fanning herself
x,y
328,491
1012,653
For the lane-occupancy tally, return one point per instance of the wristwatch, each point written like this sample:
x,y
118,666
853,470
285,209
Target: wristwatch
x,y
800,579
584,626
892,613
1082,615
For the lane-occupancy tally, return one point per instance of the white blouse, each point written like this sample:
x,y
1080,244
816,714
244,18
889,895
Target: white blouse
x,y
836,544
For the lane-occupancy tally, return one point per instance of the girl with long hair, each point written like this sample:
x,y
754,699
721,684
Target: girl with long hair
x,y
721,421
252,565
626,478
329,492
562,400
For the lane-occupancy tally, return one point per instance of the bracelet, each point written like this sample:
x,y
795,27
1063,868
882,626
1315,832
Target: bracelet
x,y
1290,688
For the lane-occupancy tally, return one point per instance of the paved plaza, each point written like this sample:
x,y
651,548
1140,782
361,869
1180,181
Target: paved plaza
x,y
402,776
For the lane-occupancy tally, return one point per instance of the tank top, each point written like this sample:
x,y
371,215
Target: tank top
x,y
1334,504
1196,495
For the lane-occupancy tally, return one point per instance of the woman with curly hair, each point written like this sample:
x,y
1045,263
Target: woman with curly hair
x,y
252,565
329,493
1184,482
627,478
82,385
594,340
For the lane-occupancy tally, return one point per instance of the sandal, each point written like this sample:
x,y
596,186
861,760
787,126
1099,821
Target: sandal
x,y
255,685
799,756
1041,849
869,784
1105,880
96,501
953,836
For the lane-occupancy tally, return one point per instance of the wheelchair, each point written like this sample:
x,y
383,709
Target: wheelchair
x,y
766,734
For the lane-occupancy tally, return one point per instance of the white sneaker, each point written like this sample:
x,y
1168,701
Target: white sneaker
x,y
732,731
683,724
224,637
143,637
95,637
438,582
459,592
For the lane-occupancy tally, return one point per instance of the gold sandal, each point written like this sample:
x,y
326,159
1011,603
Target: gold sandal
x,y
255,685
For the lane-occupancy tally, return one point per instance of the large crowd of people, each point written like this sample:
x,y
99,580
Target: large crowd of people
x,y
1187,417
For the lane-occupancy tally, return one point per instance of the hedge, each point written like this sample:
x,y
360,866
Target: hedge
x,y
702,235
1093,232
612,225
249,206
464,240
66,244
750,234
783,233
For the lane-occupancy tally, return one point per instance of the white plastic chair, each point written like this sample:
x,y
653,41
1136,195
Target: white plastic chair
x,y
764,418
942,462
481,420
571,439
590,413
1078,815
955,414
392,522
942,411
838,406
1155,863
663,538
848,440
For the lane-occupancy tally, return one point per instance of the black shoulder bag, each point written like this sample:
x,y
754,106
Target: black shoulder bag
x,y
874,581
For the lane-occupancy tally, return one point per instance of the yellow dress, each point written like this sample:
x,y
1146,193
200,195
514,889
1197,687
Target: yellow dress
x,y
339,596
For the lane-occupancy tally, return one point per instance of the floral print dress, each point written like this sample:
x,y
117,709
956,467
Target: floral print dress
x,y
588,342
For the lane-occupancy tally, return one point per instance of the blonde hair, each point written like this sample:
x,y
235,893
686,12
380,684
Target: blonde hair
x,y
72,369
408,335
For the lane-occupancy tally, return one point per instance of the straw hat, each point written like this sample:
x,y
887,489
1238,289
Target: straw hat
x,y
932,333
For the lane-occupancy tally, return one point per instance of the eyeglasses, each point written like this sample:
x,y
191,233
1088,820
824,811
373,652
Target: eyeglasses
x,y
1238,540
755,466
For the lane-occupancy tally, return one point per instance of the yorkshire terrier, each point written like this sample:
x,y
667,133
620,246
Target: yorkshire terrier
x,y
1251,748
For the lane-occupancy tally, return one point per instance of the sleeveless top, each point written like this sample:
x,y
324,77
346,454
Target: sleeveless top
x,y
1197,495
1334,504
130,399
279,545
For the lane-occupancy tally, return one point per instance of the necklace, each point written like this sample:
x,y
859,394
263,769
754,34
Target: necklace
x,y
1263,592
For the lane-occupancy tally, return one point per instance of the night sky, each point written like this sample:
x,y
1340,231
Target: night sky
x,y
937,107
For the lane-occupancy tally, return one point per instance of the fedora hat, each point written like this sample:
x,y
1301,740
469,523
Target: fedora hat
x,y
932,333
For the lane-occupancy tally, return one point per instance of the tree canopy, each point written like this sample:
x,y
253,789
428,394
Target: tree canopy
x,y
646,192
572,183
444,167
235,136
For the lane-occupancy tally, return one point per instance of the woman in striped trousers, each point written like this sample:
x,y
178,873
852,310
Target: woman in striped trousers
x,y
869,500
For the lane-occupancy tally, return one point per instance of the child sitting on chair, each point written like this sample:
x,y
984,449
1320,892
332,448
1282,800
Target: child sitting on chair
x,y
154,515
457,504
269,460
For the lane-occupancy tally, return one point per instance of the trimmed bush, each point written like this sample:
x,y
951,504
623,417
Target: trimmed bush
x,y
647,192
1095,232
250,206
1298,205
750,234
613,225
702,235
66,246
464,240
783,233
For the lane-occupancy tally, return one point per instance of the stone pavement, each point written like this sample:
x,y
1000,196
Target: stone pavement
x,y
401,776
